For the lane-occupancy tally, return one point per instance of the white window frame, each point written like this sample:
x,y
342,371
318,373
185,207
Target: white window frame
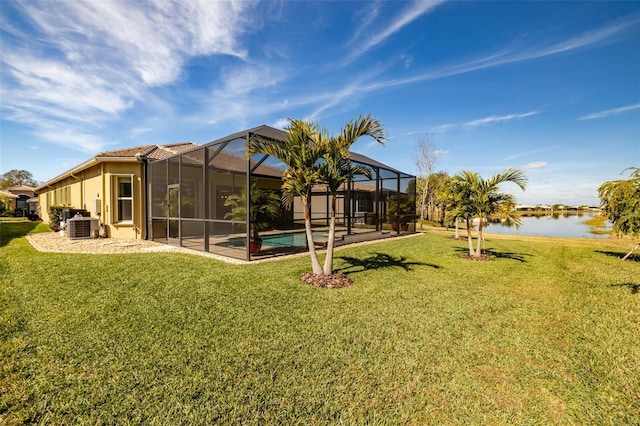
x,y
117,198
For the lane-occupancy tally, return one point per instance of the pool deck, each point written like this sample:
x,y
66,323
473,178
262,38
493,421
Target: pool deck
x,y
52,242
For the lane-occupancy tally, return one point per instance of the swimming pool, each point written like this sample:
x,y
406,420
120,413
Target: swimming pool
x,y
289,239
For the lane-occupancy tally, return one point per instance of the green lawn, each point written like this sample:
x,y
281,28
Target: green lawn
x,y
547,333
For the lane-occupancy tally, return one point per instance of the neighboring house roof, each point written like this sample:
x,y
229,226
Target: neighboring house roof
x,y
21,188
6,194
154,152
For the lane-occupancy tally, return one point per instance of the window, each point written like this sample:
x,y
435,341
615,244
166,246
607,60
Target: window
x,y
124,199
65,195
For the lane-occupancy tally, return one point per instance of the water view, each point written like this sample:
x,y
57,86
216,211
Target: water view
x,y
570,225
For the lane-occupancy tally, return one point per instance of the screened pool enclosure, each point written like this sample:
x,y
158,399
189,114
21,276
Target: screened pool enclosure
x,y
198,199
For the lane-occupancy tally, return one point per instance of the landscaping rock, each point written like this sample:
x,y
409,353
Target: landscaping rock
x,y
327,281
484,257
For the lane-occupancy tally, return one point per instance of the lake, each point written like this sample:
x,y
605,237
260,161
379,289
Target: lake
x,y
569,225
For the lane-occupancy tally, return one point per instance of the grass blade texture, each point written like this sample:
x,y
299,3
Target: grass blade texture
x,y
546,333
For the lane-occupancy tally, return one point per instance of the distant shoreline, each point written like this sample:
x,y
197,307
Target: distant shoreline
x,y
558,212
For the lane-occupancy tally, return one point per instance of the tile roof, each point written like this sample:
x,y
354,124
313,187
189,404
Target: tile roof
x,y
23,188
6,194
151,151
164,151
155,152
127,152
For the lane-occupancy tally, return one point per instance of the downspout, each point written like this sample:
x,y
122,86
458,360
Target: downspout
x,y
145,195
103,209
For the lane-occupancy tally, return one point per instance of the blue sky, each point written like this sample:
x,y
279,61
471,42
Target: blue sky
x,y
551,87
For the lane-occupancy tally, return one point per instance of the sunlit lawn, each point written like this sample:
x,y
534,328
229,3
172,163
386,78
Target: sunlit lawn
x,y
547,333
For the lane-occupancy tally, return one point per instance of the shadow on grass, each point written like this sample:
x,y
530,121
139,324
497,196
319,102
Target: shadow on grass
x,y
635,257
10,230
520,257
635,288
378,261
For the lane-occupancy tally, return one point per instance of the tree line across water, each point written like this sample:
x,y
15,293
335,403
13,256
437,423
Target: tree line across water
x,y
620,202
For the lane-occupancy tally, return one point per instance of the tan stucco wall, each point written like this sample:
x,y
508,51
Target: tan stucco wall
x,y
96,186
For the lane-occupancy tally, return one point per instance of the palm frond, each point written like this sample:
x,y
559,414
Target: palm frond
x,y
510,175
361,126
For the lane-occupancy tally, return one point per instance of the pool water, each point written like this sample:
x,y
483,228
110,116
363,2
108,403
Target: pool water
x,y
290,239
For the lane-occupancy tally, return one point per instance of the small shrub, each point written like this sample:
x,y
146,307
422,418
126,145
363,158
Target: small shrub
x,y
55,216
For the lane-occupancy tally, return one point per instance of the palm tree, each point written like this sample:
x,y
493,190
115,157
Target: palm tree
x,y
483,200
457,199
337,168
621,202
301,152
264,209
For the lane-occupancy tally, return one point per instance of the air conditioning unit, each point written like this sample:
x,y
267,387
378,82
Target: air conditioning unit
x,y
82,227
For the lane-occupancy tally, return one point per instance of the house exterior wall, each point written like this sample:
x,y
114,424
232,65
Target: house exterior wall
x,y
95,190
65,192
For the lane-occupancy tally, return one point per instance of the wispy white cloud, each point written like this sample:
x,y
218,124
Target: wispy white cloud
x,y
139,131
57,88
82,64
333,99
363,85
75,139
370,81
242,93
414,11
528,153
406,60
515,53
496,119
347,94
239,81
281,123
535,165
151,38
610,112
570,190
364,17
484,121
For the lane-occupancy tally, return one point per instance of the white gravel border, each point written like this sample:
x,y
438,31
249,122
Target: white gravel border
x,y
50,242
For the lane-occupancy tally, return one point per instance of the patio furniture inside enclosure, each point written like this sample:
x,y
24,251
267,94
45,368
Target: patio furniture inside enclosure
x,y
196,200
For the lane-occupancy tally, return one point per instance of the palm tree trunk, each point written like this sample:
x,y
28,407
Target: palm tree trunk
x,y
328,260
457,229
472,253
479,245
315,263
